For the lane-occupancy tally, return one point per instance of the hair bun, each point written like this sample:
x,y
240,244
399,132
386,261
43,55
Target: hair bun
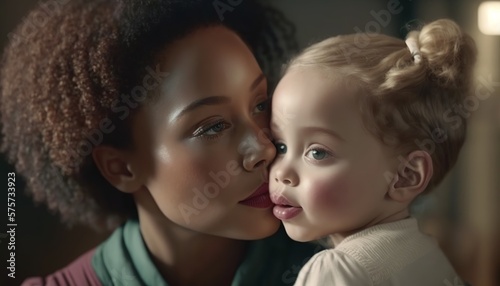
x,y
450,53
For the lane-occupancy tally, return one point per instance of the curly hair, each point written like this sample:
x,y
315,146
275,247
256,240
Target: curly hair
x,y
409,96
60,89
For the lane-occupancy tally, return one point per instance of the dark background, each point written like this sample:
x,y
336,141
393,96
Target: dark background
x,y
462,213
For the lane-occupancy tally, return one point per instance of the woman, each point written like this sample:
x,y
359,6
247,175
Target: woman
x,y
153,114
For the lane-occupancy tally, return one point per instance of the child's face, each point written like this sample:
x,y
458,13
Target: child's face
x,y
328,176
202,162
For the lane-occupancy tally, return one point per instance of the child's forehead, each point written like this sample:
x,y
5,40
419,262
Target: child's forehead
x,y
309,97
314,89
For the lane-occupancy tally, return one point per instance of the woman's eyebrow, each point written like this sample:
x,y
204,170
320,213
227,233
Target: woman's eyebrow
x,y
214,100
211,100
257,81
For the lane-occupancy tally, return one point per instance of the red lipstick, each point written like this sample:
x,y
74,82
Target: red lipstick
x,y
259,199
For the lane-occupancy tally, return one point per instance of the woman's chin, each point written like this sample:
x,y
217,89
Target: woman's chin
x,y
253,231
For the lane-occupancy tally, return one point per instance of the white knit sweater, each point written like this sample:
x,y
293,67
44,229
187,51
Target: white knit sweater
x,y
390,254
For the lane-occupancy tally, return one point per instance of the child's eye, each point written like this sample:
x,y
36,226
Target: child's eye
x,y
262,106
317,154
280,148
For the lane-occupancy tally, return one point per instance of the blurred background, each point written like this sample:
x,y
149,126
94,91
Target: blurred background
x,y
463,213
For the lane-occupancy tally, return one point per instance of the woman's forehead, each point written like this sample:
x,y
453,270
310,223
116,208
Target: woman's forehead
x,y
204,42
211,61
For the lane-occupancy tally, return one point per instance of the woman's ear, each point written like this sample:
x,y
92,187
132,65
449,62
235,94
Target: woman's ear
x,y
412,177
116,166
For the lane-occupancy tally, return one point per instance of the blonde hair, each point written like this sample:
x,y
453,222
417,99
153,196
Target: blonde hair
x,y
406,95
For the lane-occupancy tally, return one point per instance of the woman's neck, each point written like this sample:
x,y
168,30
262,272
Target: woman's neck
x,y
186,257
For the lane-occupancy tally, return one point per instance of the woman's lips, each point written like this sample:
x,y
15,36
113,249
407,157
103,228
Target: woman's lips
x,y
259,199
284,209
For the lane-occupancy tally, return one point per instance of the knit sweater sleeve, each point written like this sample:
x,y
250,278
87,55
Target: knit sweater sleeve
x,y
330,267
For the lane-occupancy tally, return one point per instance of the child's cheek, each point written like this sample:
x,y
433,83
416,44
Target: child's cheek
x,y
329,193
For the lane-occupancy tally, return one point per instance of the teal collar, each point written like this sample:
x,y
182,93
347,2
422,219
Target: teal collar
x,y
123,259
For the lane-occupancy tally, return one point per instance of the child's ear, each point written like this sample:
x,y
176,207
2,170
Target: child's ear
x,y
117,168
413,176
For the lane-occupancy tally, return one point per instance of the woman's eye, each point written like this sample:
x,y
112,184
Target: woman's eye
x,y
280,148
317,154
261,107
214,129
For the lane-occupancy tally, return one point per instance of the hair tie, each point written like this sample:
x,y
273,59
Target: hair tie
x,y
414,50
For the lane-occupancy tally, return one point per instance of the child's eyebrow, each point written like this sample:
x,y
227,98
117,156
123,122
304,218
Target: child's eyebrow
x,y
274,127
311,129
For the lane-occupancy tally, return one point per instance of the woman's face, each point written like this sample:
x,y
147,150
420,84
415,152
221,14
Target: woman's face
x,y
201,140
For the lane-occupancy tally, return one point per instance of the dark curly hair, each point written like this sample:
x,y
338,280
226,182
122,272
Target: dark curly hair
x,y
60,86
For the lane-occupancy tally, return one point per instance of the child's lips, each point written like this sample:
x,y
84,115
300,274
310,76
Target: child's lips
x,y
283,208
286,212
282,200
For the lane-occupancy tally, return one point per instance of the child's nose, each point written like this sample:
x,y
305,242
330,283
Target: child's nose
x,y
286,175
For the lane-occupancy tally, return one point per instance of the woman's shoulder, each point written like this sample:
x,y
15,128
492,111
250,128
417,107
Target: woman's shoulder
x,y
87,268
78,272
100,265
123,259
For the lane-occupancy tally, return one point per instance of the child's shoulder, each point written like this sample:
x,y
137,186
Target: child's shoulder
x,y
378,255
333,267
386,249
396,243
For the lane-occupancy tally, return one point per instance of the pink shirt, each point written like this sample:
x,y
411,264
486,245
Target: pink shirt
x,y
79,272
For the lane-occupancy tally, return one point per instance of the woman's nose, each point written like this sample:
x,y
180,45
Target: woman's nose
x,y
257,149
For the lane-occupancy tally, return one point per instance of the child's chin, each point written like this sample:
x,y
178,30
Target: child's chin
x,y
299,233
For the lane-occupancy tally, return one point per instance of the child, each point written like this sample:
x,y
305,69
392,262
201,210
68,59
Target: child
x,y
362,125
